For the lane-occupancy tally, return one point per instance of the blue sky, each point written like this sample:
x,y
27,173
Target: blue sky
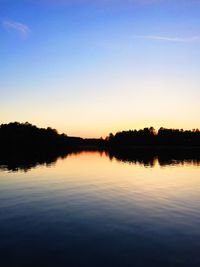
x,y
92,67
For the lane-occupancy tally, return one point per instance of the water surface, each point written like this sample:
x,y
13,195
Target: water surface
x,y
89,210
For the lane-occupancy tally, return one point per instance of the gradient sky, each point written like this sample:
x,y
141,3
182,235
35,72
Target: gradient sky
x,y
88,68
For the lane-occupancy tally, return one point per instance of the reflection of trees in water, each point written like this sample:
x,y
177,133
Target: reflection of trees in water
x,y
151,157
26,162
24,146
21,161
144,157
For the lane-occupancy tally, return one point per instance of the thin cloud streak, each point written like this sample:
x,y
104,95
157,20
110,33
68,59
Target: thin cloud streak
x,y
137,3
140,2
19,27
101,1
169,39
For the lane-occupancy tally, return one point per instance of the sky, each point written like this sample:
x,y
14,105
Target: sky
x,y
91,67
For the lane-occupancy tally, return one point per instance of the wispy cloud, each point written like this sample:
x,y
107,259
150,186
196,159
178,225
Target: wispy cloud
x,y
123,2
22,29
170,39
106,2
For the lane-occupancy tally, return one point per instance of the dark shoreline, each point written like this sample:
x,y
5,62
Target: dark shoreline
x,y
23,146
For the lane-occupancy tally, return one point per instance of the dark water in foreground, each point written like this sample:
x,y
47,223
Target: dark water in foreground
x,y
87,210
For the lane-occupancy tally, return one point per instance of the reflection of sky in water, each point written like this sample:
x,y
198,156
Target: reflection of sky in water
x,y
88,203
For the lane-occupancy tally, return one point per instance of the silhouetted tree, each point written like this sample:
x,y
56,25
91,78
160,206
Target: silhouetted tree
x,y
149,137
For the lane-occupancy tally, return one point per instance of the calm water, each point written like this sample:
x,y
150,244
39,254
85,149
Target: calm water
x,y
88,210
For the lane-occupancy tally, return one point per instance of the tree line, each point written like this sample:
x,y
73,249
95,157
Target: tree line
x,y
149,137
25,138
18,137
23,145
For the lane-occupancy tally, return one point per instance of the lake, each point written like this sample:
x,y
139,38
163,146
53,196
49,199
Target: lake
x,y
91,209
